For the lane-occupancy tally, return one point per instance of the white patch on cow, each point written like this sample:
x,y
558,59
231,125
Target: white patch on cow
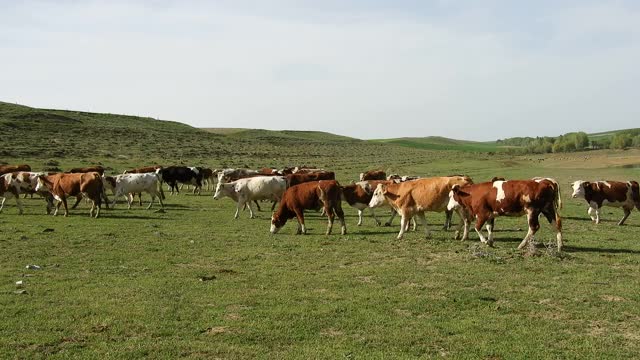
x,y
500,191
453,204
606,184
578,189
526,198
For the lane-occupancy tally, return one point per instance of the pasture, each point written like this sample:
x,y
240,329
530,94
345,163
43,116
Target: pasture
x,y
192,282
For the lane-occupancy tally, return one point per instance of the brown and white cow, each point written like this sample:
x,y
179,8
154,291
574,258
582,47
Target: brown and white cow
x,y
4,169
373,175
299,178
417,196
608,193
310,195
25,182
488,200
63,185
359,195
6,191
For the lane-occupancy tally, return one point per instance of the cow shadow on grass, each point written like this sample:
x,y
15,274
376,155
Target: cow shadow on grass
x,y
570,248
135,217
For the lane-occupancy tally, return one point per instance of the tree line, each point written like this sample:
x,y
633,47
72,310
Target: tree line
x,y
569,142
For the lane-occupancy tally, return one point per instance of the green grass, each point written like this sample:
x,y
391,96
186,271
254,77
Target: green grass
x,y
127,285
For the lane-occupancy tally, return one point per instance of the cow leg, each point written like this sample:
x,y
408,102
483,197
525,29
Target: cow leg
x,y
489,227
250,209
414,223
556,223
2,203
49,200
373,214
238,207
480,221
464,221
447,220
330,217
423,221
273,205
359,217
594,209
160,200
153,197
78,199
534,225
403,226
63,198
393,215
340,213
139,198
627,212
301,228
257,205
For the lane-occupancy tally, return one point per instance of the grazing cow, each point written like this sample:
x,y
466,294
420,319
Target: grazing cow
x,y
127,184
63,185
25,182
417,196
228,175
295,179
98,169
4,169
244,191
314,195
306,170
173,175
373,175
359,195
608,193
487,200
398,178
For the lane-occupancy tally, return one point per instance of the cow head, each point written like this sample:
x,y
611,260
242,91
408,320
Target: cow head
x,y
41,184
277,223
378,199
223,189
579,189
454,197
109,182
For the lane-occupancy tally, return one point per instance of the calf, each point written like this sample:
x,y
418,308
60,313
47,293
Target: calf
x,y
298,178
415,197
243,191
127,184
373,175
63,185
309,195
4,169
487,200
173,175
608,193
359,195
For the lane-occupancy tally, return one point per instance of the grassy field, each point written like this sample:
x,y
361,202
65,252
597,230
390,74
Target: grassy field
x,y
441,143
193,282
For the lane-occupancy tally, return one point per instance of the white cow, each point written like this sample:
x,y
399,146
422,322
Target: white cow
x,y
126,184
244,191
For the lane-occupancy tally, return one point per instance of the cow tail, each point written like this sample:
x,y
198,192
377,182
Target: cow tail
x,y
558,197
635,193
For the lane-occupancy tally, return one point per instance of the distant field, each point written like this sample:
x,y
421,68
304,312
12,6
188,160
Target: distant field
x,y
192,282
440,143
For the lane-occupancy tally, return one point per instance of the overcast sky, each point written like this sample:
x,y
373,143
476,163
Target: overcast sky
x,y
478,70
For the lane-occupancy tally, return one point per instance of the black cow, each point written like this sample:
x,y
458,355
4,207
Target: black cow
x,y
173,175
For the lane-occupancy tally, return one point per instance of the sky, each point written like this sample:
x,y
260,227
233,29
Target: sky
x,y
468,69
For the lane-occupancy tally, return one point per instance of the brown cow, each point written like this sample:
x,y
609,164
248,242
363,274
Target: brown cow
x,y
310,195
143,170
417,196
299,178
4,169
373,175
487,200
97,168
608,193
63,185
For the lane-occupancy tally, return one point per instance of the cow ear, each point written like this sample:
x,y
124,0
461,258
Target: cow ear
x,y
455,188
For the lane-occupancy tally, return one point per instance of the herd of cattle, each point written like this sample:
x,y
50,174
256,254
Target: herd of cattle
x,y
304,188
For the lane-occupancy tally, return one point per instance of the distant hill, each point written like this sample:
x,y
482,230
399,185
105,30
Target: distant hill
x,y
442,143
288,134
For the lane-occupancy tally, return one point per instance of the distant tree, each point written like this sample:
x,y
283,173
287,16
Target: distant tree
x,y
620,141
635,142
581,140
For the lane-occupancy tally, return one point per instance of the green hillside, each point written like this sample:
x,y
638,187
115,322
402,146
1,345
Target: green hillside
x,y
442,143
279,134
